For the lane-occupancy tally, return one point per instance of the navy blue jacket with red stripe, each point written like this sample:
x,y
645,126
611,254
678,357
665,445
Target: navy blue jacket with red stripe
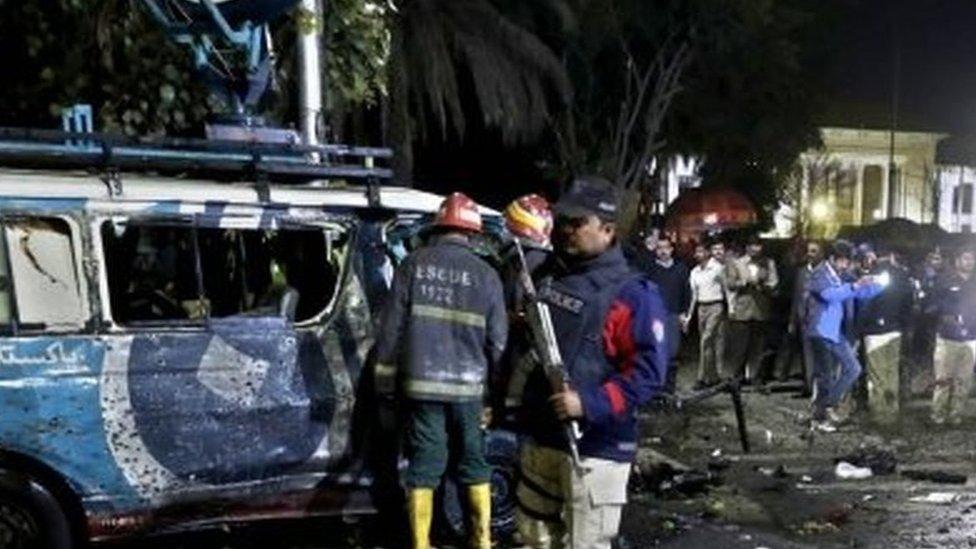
x,y
609,322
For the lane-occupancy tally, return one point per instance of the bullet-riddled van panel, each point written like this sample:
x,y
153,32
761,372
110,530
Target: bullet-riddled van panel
x,y
141,420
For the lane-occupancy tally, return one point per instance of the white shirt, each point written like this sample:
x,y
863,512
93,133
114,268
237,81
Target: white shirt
x,y
708,282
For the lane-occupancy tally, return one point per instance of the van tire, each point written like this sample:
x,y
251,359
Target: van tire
x,y
30,516
450,520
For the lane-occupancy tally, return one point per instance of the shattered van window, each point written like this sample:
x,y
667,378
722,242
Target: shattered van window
x,y
152,272
286,273
47,290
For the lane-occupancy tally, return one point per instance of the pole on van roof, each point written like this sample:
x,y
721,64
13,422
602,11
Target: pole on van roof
x,y
309,22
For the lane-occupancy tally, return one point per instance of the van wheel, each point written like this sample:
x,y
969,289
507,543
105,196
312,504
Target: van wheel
x,y
501,451
30,516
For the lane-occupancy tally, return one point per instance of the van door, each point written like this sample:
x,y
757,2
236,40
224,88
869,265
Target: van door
x,y
214,385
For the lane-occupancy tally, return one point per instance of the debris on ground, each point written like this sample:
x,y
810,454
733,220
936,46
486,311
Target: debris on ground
x,y
663,479
838,515
940,498
689,483
879,461
847,471
773,472
718,464
940,477
657,473
813,527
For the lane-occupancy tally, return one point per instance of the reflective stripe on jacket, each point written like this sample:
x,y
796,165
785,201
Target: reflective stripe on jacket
x,y
443,326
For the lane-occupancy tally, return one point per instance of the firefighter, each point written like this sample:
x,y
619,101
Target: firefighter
x,y
443,329
529,220
609,325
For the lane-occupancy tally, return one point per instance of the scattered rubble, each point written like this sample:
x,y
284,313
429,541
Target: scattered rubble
x,y
940,477
940,498
881,462
718,464
774,472
662,476
846,471
813,527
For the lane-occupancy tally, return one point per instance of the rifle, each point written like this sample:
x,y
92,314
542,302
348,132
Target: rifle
x,y
545,346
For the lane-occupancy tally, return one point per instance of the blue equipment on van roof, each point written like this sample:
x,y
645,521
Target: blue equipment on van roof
x,y
284,162
219,31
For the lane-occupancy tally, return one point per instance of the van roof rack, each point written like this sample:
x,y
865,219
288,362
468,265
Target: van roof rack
x,y
218,159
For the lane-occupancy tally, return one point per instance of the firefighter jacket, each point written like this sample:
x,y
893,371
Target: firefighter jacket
x,y
609,324
444,325
954,300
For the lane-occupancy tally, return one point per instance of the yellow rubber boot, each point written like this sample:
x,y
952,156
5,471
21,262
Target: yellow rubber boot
x,y
420,507
479,498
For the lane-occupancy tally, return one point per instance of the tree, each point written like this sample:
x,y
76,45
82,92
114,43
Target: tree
x,y
752,96
442,48
141,83
626,58
103,52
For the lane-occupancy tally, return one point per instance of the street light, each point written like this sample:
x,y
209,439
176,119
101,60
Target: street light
x,y
820,210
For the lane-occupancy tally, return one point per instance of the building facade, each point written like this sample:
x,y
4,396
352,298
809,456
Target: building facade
x,y
954,188
846,181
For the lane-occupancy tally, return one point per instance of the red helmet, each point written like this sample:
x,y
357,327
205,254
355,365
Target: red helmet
x,y
530,217
459,212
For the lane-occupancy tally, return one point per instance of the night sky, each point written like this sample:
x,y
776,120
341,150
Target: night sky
x,y
938,64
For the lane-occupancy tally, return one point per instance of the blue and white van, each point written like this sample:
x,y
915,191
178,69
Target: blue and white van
x,y
176,353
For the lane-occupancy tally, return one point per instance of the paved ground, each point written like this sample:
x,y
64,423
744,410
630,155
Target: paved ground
x,y
804,504
801,505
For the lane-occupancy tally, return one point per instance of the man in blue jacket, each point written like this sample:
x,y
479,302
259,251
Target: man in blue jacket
x,y
609,323
828,297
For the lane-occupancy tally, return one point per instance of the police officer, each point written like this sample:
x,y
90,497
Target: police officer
x,y
880,322
955,342
609,323
443,327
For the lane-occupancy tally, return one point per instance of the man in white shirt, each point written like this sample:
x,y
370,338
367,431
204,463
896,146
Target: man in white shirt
x,y
708,296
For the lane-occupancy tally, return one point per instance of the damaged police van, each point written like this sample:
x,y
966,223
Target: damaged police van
x,y
179,352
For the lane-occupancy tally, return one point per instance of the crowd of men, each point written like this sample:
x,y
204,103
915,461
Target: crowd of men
x,y
853,313
456,349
